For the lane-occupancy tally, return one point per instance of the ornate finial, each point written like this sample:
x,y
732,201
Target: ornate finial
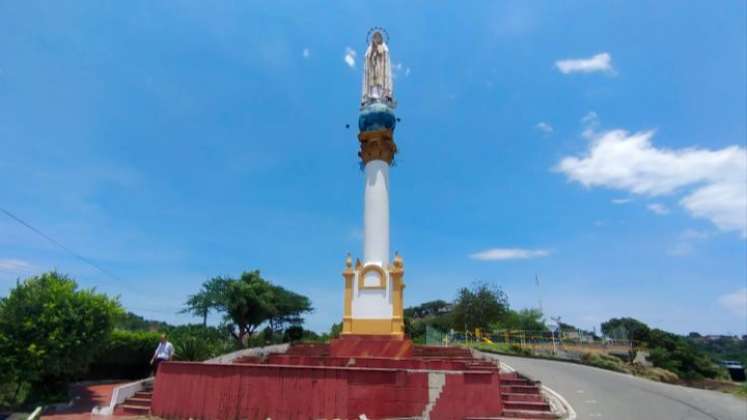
x,y
398,261
358,264
348,261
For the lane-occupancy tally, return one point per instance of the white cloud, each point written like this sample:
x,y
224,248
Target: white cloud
x,y
681,249
621,200
544,127
658,208
400,68
600,62
713,180
306,53
500,254
692,234
735,302
591,119
350,57
686,242
13,265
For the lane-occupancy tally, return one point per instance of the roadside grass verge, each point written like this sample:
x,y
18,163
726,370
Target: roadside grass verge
x,y
615,364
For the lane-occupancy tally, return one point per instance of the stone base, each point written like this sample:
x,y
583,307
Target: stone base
x,y
388,327
389,346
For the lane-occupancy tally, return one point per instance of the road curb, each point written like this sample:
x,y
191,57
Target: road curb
x,y
558,404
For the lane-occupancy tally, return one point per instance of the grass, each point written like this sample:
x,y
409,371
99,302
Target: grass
x,y
501,348
742,390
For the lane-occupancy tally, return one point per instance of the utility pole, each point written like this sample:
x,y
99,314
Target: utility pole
x,y
539,291
557,323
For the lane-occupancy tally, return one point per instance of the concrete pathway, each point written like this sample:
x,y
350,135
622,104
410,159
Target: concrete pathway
x,y
85,397
601,394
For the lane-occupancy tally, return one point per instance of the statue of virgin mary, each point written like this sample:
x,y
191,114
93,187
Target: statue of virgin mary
x,y
377,73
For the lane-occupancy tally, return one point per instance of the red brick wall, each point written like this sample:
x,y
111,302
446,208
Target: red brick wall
x,y
215,391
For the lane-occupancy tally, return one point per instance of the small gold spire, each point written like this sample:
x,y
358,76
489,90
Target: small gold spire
x,y
398,261
348,261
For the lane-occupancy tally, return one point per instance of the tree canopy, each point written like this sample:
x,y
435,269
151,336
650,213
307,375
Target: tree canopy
x,y
626,329
531,319
479,307
50,331
248,302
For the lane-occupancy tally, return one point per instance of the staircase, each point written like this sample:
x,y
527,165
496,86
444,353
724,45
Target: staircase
x,y
138,404
522,399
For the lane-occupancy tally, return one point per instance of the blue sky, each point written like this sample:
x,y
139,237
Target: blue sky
x,y
599,145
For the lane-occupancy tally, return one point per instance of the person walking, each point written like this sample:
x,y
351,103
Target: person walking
x,y
164,351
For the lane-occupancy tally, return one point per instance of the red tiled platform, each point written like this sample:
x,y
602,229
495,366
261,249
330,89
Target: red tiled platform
x,y
376,376
371,346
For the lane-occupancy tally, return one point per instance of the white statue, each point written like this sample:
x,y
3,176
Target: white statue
x,y
377,73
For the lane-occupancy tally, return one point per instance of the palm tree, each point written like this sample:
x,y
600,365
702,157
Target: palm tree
x,y
208,298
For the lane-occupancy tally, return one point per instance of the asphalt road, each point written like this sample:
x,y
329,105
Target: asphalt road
x,y
600,394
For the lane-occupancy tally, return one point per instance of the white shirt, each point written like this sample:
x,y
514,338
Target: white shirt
x,y
164,351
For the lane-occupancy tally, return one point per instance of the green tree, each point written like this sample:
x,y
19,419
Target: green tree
x,y
479,307
524,320
286,308
675,353
209,298
428,309
436,314
294,333
247,303
52,331
626,328
335,330
133,322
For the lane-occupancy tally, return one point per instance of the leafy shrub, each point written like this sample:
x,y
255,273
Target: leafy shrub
x,y
674,353
50,332
604,361
293,333
657,374
198,343
126,355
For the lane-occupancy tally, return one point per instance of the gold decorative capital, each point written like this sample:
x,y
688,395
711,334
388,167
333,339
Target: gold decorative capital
x,y
377,145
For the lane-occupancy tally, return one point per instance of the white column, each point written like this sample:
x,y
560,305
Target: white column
x,y
376,213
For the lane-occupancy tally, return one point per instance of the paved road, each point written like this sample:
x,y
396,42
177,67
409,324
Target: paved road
x,y
600,394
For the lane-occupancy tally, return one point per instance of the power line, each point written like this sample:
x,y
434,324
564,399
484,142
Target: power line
x,y
60,245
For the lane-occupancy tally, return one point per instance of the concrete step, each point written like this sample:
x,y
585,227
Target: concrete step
x,y
527,405
512,416
140,402
520,389
517,381
502,418
144,394
508,396
134,409
527,414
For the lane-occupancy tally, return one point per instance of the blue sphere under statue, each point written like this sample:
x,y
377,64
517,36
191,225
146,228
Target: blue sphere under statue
x,y
376,116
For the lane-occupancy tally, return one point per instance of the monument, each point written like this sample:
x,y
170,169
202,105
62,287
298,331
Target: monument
x,y
372,370
373,301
